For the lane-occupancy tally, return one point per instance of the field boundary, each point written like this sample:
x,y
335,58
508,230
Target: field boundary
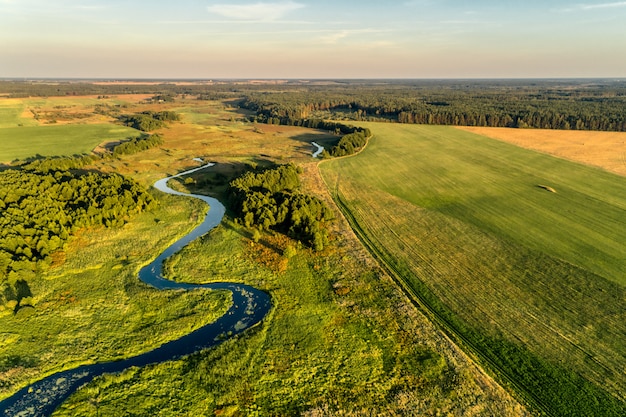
x,y
422,303
522,394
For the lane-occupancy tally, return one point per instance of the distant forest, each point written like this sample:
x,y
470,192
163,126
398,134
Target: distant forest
x,y
547,104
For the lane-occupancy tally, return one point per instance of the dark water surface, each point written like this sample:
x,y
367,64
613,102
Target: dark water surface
x,y
249,307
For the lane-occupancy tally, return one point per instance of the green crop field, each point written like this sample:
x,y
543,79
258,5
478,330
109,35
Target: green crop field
x,y
24,142
520,255
11,114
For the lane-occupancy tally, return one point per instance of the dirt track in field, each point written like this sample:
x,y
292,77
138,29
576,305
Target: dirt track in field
x,y
605,150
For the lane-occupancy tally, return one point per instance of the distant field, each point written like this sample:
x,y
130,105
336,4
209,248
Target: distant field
x,y
11,112
606,150
532,280
24,142
58,126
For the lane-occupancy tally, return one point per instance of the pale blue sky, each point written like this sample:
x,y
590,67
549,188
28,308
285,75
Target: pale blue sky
x,y
312,39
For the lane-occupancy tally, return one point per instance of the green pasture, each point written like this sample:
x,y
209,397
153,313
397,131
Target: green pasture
x,y
495,187
58,140
11,114
340,338
93,308
530,280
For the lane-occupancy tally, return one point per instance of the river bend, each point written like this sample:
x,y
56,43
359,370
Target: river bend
x,y
249,307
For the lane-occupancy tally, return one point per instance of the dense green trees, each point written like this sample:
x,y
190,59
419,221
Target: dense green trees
x,y
139,144
148,121
269,200
353,139
553,104
41,208
598,105
351,143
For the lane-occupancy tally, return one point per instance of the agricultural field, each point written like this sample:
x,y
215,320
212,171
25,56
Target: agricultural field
x,y
341,338
63,140
60,126
518,254
605,150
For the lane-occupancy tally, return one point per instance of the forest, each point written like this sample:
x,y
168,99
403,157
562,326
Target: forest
x,y
542,106
577,104
41,207
148,121
269,199
352,140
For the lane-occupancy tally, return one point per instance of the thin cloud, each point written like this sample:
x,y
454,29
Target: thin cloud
x,y
335,36
580,7
603,5
263,12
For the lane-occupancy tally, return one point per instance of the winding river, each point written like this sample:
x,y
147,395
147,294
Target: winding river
x,y
249,307
319,150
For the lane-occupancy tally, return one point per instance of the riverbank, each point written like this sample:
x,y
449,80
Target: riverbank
x,y
248,308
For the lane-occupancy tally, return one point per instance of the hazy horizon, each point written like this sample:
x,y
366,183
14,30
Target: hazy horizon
x,y
418,39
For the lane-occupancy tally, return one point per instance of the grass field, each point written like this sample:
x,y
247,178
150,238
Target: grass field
x,y
606,150
60,126
24,142
92,307
530,280
341,338
339,341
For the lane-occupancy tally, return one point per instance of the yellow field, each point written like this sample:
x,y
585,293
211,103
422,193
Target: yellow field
x,y
605,150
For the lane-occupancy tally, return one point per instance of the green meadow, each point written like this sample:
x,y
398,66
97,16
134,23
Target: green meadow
x,y
58,140
91,307
519,255
338,341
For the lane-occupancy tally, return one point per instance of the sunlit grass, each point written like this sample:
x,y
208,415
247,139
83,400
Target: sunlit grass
x,y
24,142
339,340
93,307
320,350
522,274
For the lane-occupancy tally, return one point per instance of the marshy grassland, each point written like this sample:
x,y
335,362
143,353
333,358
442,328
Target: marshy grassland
x,y
530,281
341,339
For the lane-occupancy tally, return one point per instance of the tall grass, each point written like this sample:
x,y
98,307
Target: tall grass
x,y
93,307
319,351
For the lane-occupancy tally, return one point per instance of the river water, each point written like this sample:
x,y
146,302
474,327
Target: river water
x,y
249,307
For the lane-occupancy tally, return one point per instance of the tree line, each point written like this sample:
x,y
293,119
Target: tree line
x,y
138,144
554,104
269,200
578,105
352,140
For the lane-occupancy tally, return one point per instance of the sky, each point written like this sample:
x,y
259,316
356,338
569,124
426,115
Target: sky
x,y
216,39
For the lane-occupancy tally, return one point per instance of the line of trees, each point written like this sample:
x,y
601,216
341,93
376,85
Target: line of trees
x,y
554,104
269,200
351,143
546,105
40,208
353,139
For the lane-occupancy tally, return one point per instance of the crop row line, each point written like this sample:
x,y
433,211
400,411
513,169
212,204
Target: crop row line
x,y
418,299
